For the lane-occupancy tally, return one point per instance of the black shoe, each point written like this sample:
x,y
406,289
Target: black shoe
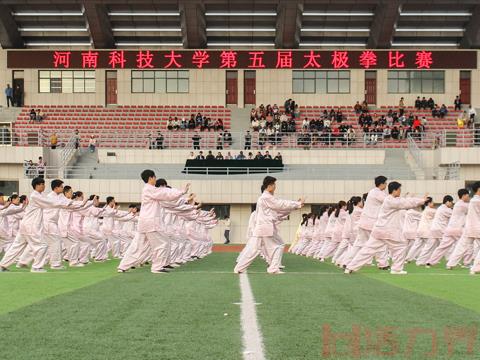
x,y
226,242
344,267
384,268
164,271
169,267
3,269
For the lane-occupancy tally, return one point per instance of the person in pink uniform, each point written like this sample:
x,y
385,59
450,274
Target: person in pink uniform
x,y
371,209
319,234
387,231
17,203
437,229
454,229
471,232
318,229
423,230
297,249
329,245
149,223
10,209
410,226
340,216
350,230
31,229
472,225
308,235
91,228
269,210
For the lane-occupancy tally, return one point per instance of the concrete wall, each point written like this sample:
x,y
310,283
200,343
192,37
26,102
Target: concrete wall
x,y
208,87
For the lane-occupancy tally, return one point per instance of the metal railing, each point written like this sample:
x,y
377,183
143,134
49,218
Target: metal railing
x,y
183,139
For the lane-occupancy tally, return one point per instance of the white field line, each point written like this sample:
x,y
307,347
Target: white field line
x,y
252,336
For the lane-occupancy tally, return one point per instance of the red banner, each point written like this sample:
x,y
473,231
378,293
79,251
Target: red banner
x,y
241,59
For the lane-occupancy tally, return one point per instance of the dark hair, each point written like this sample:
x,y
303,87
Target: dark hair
x,y
447,198
13,197
354,201
304,219
268,180
132,206
1,194
428,201
394,185
77,194
322,211
37,181
23,198
462,192
66,189
147,174
56,183
364,197
340,204
161,183
379,180
330,210
475,186
110,199
91,197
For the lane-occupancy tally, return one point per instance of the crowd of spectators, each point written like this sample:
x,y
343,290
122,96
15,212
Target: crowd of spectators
x,y
36,115
239,156
198,121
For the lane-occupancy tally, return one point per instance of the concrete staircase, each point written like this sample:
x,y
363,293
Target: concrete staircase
x,y
395,161
9,115
240,122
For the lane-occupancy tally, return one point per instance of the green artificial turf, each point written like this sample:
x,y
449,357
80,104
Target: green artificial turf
x,y
295,308
137,315
95,313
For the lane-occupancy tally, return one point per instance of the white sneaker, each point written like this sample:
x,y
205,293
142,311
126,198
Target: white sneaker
x,y
21,266
77,265
174,265
39,271
61,267
402,272
282,266
348,272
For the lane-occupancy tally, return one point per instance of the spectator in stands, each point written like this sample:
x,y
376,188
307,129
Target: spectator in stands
x,y
430,103
196,141
395,133
471,115
240,156
198,120
253,114
30,169
176,123
219,156
218,125
358,108
200,156
416,123
18,96
364,105
267,156
191,156
92,143
40,115
53,141
248,141
461,120
275,109
305,124
424,103
191,122
278,157
259,156
401,106
9,95
227,138
287,106
33,115
183,124
41,168
351,135
418,103
220,141
387,133
77,139
159,141
296,112
170,124
458,103
210,156
228,156
255,125
435,111
443,111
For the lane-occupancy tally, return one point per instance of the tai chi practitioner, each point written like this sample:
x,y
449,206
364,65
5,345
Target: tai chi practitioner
x,y
410,226
317,236
350,230
269,210
371,209
11,210
150,225
439,224
423,230
329,246
471,232
319,232
454,229
31,229
387,231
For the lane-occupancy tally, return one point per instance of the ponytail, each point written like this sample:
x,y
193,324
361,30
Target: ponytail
x,y
340,204
304,219
354,201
